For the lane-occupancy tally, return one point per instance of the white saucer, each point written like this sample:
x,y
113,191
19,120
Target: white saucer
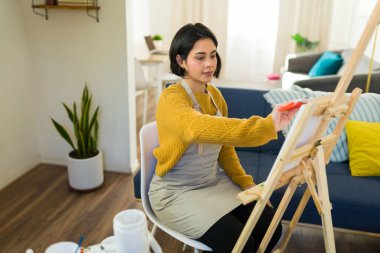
x,y
109,244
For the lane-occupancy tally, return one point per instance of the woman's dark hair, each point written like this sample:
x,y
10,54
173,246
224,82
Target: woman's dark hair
x,y
184,41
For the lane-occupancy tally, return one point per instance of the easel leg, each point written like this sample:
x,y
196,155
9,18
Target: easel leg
x,y
295,219
279,213
320,173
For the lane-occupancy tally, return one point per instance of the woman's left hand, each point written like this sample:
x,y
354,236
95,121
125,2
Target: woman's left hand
x,y
253,185
249,186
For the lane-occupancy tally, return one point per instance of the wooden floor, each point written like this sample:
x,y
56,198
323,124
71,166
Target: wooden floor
x,y
39,209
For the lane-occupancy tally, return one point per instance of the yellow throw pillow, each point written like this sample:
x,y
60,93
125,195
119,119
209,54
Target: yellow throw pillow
x,y
363,147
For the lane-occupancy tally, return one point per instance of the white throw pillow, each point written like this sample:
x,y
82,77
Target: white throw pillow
x,y
289,78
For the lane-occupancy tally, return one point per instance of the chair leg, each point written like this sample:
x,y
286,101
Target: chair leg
x,y
145,105
154,229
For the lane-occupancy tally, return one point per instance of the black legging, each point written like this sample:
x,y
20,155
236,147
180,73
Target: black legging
x,y
223,235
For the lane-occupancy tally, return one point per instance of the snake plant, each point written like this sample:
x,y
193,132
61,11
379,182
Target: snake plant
x,y
85,127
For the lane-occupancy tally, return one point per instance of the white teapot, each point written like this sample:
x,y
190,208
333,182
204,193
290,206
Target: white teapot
x,y
130,228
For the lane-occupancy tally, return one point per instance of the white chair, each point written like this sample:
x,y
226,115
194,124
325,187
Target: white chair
x,y
148,142
142,86
168,78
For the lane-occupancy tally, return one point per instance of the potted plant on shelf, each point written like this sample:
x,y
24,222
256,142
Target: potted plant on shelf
x,y
157,40
303,44
85,161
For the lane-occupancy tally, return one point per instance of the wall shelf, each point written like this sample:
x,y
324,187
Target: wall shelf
x,y
89,8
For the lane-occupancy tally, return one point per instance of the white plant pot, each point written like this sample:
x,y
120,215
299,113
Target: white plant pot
x,y
85,174
157,44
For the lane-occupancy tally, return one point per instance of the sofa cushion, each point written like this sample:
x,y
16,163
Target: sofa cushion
x,y
328,64
349,196
363,148
256,164
366,109
354,201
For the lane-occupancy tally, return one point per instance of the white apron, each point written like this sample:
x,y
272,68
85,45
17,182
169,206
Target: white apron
x,y
196,192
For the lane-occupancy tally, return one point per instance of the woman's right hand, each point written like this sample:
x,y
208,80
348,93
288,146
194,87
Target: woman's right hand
x,y
282,119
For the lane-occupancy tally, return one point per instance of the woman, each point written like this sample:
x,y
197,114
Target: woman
x,y
198,173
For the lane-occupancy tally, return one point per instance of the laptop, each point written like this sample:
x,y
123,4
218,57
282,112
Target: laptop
x,y
152,48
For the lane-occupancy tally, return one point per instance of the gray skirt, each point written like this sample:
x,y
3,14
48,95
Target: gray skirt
x,y
194,194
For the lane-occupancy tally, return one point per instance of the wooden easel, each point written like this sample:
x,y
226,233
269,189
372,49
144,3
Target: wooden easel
x,y
308,160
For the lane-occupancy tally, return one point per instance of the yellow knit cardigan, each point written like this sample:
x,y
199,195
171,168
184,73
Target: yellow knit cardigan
x,y
179,125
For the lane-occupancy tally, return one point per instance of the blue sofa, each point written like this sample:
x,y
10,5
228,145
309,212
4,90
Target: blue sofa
x,y
355,200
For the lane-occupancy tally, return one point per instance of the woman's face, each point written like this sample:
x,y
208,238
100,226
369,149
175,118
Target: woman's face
x,y
201,62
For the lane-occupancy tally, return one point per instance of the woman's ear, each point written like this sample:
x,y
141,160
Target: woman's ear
x,y
179,61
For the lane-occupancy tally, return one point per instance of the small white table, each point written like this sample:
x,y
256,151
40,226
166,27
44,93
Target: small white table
x,y
154,62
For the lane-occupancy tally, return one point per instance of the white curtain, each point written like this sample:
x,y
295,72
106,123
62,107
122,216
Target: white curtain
x,y
254,36
211,13
251,40
310,18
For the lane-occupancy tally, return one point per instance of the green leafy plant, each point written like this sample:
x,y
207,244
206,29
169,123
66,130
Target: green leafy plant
x,y
303,44
157,37
85,128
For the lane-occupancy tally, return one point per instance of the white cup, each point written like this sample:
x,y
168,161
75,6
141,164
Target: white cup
x,y
130,228
62,247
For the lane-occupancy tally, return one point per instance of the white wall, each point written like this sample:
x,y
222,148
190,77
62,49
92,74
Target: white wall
x,y
362,11
142,25
18,141
173,14
68,50
349,20
341,24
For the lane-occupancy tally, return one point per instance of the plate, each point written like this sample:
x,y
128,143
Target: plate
x,y
106,246
109,244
